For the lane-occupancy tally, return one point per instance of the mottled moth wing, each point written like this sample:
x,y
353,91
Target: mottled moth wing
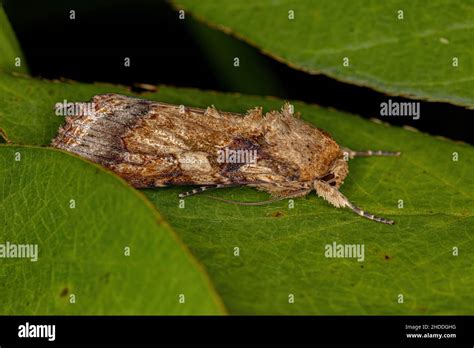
x,y
156,144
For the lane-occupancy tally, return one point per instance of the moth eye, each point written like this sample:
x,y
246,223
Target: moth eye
x,y
328,177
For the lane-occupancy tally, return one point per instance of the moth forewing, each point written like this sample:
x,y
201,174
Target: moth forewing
x,y
152,144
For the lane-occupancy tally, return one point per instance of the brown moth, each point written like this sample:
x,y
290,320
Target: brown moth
x,y
152,144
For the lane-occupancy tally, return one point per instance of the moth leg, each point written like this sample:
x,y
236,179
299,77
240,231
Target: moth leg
x,y
350,154
336,198
203,189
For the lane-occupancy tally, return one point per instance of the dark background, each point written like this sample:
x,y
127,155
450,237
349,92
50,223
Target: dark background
x,y
185,53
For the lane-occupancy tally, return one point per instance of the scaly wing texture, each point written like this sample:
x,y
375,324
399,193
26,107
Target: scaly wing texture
x,y
155,144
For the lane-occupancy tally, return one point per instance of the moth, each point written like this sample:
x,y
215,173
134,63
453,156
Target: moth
x,y
153,144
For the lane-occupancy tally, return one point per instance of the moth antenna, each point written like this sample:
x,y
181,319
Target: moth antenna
x,y
337,199
369,153
211,187
201,190
268,201
369,216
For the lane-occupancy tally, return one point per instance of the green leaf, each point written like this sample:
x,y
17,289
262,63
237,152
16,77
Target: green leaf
x,y
282,250
412,56
82,219
9,47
